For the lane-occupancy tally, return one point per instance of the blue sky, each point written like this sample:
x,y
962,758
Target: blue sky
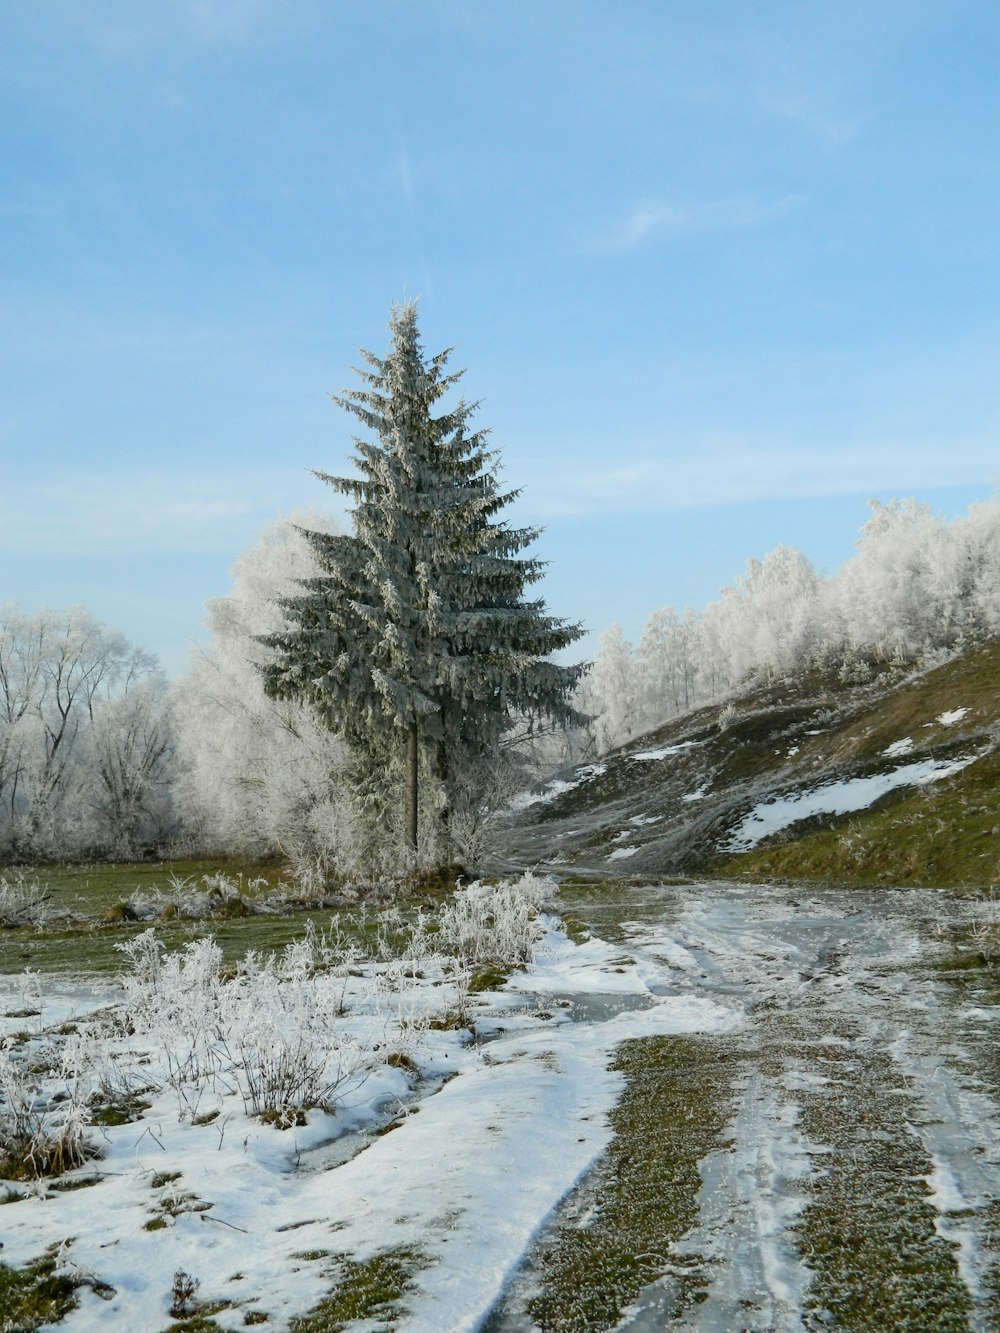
x,y
719,273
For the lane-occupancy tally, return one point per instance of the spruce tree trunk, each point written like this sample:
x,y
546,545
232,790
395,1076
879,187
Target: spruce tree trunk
x,y
441,773
411,785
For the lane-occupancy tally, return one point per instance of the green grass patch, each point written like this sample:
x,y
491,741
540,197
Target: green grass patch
x,y
124,1111
96,887
65,1186
944,834
164,1178
90,949
400,1060
35,1295
490,976
373,1289
869,1230
673,1111
83,941
198,1323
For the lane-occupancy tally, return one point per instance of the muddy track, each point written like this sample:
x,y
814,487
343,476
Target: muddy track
x,y
855,1182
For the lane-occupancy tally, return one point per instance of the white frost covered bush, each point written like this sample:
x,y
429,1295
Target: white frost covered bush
x,y
273,1035
43,1118
498,923
23,900
267,1029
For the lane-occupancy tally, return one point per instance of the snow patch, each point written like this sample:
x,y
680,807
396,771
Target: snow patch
x,y
622,853
557,787
664,752
898,748
982,1015
949,719
803,1080
946,1193
834,798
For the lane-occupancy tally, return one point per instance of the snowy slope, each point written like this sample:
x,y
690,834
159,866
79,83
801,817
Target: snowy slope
x,y
795,759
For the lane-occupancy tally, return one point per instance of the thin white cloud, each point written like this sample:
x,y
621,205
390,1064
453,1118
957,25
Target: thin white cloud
x,y
404,173
717,472
653,218
811,116
155,511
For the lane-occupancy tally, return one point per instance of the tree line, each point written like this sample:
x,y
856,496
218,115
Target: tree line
x,y
917,586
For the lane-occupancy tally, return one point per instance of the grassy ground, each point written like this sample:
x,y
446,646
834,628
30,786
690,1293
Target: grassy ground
x,y
944,834
89,924
371,1290
91,949
33,1296
643,1195
869,1231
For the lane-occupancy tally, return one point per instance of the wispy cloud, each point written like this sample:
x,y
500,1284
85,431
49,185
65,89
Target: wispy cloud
x,y
404,173
155,511
811,116
653,218
726,471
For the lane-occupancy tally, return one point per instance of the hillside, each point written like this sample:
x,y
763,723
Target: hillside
x,y
896,780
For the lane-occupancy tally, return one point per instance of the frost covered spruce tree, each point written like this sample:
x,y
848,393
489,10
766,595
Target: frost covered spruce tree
x,y
415,639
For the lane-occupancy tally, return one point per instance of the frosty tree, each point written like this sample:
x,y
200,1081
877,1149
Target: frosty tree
x,y
85,739
415,635
258,775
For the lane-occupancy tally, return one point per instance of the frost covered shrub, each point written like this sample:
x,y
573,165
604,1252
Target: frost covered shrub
x,y
195,898
23,900
984,931
43,1132
496,923
727,716
265,1030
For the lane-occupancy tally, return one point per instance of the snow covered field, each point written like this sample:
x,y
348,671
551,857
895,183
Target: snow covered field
x,y
493,1126
478,1157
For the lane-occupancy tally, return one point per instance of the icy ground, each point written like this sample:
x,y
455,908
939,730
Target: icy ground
x,y
844,1029
816,989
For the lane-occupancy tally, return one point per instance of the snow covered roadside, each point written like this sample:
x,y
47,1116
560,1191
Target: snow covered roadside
x,y
258,1215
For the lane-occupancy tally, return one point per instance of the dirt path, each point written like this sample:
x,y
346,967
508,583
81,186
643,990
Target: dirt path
x,y
855,1182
